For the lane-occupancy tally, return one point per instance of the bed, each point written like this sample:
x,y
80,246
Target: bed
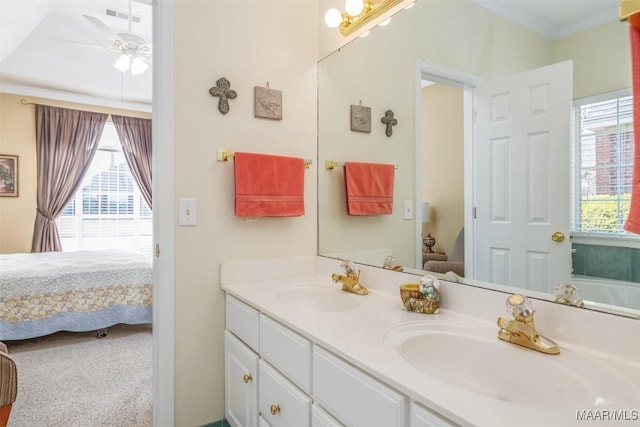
x,y
43,293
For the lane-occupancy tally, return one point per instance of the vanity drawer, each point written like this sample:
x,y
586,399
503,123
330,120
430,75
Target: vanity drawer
x,y
423,417
319,418
353,396
280,403
287,351
243,321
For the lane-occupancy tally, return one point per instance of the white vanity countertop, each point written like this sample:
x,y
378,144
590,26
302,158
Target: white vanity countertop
x,y
355,330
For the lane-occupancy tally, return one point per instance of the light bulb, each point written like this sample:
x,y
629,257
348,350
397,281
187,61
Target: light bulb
x,y
138,66
385,22
333,18
354,7
122,63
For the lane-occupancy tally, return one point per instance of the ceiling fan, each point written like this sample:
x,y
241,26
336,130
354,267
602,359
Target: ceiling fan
x,y
135,52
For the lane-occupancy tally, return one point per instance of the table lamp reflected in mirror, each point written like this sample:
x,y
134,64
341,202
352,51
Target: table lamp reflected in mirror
x,y
428,241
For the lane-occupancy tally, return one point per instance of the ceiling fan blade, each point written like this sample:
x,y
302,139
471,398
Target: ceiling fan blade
x,y
91,45
103,28
132,39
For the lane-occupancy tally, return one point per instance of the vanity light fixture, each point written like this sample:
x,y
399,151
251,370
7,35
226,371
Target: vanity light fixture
x,y
627,8
358,13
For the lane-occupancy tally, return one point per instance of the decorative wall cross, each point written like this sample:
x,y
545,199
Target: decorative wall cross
x,y
224,91
390,121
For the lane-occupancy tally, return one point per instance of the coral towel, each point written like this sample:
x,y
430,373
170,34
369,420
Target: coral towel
x,y
632,223
369,188
268,185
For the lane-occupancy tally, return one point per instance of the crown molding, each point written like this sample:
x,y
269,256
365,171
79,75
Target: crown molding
x,y
18,89
510,10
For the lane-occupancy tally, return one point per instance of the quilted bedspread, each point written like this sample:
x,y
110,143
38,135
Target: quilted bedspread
x,y
41,293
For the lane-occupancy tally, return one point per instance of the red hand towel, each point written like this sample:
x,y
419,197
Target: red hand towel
x,y
369,188
268,185
633,220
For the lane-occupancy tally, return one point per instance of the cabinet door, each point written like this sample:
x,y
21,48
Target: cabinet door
x,y
281,403
423,417
241,377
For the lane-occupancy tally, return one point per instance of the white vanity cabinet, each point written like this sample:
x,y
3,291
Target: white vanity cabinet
x,y
276,377
267,370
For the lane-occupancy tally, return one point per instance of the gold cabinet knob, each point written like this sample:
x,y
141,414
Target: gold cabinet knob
x,y
557,237
247,378
275,409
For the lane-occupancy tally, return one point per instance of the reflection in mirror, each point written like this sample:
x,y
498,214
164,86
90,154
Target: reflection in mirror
x,y
429,144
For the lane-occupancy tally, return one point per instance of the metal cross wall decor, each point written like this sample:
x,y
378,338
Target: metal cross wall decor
x,y
223,90
390,121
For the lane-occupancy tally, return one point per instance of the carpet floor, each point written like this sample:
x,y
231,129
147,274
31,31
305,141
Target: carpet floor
x,y
76,380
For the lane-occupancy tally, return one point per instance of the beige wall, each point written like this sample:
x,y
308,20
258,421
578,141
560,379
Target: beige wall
x,y
18,137
601,59
249,43
443,163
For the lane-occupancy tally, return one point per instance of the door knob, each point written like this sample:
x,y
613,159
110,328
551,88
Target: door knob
x,y
558,236
247,378
275,409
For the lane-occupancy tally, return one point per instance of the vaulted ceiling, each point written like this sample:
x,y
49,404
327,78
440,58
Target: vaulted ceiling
x,y
48,46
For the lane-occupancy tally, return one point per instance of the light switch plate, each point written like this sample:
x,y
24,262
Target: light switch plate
x,y
187,212
407,212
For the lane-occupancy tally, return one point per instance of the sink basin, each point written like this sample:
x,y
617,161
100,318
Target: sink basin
x,y
319,297
472,357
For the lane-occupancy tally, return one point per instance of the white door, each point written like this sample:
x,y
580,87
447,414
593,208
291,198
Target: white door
x,y
522,149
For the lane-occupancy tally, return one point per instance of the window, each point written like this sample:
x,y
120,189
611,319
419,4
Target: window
x,y
602,164
107,211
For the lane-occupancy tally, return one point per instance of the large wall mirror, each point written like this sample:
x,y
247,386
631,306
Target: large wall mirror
x,y
424,66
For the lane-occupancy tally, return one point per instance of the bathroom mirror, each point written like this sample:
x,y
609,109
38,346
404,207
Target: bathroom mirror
x,y
381,72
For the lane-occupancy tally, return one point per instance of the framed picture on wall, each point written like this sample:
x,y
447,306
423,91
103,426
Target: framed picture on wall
x,y
360,118
8,175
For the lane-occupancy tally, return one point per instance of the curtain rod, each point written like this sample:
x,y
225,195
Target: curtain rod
x,y
109,118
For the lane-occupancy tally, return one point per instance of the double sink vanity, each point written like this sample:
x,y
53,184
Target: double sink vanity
x,y
299,352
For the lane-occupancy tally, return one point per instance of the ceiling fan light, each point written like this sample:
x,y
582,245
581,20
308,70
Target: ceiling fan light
x,y
122,63
138,66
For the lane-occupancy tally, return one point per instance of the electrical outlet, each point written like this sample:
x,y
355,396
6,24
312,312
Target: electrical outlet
x,y
408,210
187,212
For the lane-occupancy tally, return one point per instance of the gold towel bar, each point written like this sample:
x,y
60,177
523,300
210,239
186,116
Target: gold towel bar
x,y
329,164
223,156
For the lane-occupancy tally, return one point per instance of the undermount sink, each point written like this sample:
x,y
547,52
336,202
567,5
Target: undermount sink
x,y
326,297
472,357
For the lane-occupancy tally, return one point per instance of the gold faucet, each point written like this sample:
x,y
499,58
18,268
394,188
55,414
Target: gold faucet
x,y
522,329
350,280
